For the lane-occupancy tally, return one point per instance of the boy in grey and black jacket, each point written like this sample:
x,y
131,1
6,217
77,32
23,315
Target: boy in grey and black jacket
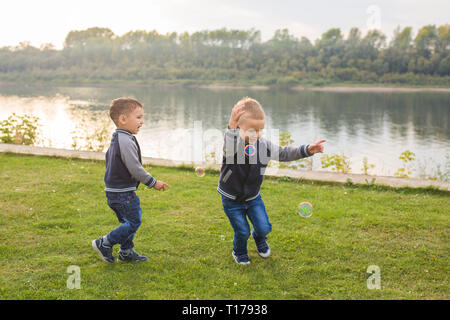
x,y
124,173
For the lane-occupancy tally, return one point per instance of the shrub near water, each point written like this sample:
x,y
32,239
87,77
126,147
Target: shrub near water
x,y
406,157
19,129
338,163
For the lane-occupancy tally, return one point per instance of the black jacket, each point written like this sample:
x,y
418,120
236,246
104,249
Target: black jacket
x,y
242,174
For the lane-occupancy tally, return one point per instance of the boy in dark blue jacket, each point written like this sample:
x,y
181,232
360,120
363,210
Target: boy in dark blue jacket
x,y
246,155
124,173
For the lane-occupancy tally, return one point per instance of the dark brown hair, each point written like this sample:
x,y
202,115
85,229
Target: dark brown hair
x,y
122,106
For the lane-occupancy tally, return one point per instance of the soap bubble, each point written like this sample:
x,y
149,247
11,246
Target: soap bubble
x,y
250,150
200,172
305,209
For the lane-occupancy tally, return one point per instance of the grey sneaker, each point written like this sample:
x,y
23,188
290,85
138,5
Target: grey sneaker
x,y
105,252
131,256
241,258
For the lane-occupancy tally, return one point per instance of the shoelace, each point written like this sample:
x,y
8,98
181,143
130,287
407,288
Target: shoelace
x,y
262,246
132,253
241,257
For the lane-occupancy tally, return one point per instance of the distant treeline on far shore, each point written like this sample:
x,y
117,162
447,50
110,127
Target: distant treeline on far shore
x,y
237,57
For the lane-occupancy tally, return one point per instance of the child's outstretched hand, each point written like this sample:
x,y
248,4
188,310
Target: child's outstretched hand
x,y
161,185
316,147
236,113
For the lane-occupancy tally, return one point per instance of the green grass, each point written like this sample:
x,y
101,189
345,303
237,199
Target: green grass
x,y
52,208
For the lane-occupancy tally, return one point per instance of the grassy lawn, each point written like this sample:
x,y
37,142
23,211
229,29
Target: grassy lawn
x,y
52,208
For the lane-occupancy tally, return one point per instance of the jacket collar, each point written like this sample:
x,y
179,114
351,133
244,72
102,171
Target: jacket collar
x,y
124,131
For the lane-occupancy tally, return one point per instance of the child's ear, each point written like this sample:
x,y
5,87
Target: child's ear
x,y
122,119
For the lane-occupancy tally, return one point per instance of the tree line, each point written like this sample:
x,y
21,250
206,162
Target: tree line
x,y
236,57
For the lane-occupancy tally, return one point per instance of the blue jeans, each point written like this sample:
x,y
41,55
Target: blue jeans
x,y
237,214
128,210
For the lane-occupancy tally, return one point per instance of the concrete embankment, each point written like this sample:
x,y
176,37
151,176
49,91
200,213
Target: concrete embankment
x,y
296,174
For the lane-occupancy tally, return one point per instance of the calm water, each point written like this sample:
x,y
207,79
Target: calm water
x,y
378,126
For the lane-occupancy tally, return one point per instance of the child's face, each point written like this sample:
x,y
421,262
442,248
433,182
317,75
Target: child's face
x,y
251,129
133,121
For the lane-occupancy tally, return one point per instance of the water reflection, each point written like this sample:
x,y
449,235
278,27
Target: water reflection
x,y
378,126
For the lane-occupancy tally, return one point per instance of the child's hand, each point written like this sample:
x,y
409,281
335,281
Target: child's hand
x,y
236,113
316,147
161,185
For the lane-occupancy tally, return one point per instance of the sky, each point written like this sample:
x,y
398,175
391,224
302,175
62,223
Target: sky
x,y
49,21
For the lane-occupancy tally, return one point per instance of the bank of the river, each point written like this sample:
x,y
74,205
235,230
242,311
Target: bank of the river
x,y
333,87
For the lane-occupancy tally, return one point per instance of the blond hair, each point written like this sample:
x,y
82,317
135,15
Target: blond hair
x,y
252,109
122,106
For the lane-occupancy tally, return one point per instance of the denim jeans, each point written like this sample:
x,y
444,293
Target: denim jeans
x,y
237,214
128,210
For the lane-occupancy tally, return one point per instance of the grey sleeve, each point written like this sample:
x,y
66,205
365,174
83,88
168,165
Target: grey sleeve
x,y
287,153
130,158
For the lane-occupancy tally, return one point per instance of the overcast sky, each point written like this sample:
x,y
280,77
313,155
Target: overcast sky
x,y
46,21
